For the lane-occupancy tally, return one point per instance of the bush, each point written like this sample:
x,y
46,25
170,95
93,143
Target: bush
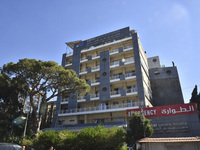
x,y
27,143
68,140
45,140
99,138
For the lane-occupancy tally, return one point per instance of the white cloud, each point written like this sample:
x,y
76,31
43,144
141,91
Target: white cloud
x,y
177,13
170,15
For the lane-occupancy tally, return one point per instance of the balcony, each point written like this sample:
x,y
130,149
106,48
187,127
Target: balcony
x,y
104,45
95,97
106,108
115,94
114,64
130,75
128,47
115,78
95,82
68,64
84,59
95,56
114,51
81,98
131,91
96,68
129,60
83,71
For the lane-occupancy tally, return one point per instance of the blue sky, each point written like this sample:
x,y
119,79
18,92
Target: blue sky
x,y
167,28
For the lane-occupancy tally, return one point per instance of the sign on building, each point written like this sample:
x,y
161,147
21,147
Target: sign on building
x,y
161,111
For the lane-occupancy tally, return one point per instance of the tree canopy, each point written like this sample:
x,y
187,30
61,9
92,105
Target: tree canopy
x,y
195,98
44,78
138,128
10,109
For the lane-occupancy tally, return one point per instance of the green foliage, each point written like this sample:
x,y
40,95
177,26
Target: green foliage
x,y
124,147
137,128
195,98
45,140
10,110
44,78
98,138
27,143
68,140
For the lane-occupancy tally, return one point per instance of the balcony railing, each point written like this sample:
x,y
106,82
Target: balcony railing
x,y
95,95
95,81
132,90
95,55
107,107
84,58
96,67
116,63
130,59
114,92
115,77
83,70
80,97
130,74
128,46
114,51
69,62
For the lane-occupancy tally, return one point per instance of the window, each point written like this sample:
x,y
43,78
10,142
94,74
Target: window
x,y
115,103
104,74
116,62
99,121
131,103
130,73
168,72
97,79
81,122
102,106
131,89
116,91
104,89
117,76
81,108
154,60
119,119
97,93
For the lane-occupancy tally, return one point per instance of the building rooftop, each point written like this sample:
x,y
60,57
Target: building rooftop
x,y
71,44
169,140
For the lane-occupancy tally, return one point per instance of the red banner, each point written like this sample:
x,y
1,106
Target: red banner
x,y
160,111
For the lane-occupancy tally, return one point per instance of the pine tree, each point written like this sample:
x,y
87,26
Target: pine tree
x,y
194,95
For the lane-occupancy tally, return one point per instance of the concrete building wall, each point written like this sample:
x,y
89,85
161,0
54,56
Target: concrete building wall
x,y
154,62
176,126
165,85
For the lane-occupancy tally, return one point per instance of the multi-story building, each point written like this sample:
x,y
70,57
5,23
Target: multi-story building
x,y
116,67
